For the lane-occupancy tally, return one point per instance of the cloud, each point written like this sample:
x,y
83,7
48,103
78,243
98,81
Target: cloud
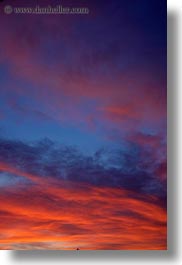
x,y
67,215
102,74
64,72
135,168
58,198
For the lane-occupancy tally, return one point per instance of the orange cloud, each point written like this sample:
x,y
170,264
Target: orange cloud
x,y
56,214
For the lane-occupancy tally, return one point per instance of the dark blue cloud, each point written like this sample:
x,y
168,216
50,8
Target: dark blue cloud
x,y
121,169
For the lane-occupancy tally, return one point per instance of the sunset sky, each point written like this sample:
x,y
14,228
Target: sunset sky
x,y
83,126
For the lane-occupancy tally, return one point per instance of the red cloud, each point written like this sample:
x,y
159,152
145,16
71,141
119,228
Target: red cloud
x,y
65,215
127,98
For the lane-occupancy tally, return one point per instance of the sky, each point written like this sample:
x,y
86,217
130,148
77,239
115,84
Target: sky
x,y
83,160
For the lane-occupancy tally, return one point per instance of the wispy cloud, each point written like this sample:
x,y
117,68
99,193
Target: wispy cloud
x,y
75,215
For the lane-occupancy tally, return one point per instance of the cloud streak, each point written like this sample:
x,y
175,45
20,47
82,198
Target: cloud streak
x,y
75,202
133,169
79,215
